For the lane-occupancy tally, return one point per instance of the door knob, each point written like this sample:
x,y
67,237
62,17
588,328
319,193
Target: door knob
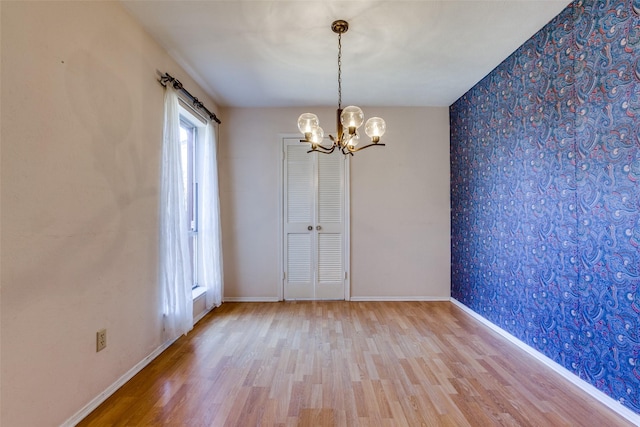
x,y
318,227
309,228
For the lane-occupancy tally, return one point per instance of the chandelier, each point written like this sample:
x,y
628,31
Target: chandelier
x,y
348,120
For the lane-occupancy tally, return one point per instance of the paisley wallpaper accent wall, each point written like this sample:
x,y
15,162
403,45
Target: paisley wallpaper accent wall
x,y
545,195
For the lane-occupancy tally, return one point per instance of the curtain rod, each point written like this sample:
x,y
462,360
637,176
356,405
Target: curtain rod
x,y
177,85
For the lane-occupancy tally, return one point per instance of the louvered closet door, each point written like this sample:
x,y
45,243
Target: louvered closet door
x,y
299,186
330,226
314,223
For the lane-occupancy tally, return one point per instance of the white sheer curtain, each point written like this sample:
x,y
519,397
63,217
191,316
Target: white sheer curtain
x,y
209,234
175,268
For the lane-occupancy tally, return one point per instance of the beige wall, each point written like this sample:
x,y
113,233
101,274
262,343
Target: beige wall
x,y
81,138
399,203
80,141
400,224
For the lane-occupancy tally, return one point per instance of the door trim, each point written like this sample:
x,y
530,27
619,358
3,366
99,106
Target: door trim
x,y
347,228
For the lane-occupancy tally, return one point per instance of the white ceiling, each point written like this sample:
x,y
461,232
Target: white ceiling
x,y
396,53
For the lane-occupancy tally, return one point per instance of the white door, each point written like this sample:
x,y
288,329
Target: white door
x,y
315,223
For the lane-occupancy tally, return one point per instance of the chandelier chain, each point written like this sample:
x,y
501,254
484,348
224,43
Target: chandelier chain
x,y
339,71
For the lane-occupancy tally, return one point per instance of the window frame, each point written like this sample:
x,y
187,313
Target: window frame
x,y
195,127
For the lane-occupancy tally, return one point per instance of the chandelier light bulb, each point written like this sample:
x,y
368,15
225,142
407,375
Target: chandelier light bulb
x,y
375,128
307,122
317,135
352,118
353,141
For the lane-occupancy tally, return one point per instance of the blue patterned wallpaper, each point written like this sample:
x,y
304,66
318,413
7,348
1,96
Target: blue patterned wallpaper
x,y
545,195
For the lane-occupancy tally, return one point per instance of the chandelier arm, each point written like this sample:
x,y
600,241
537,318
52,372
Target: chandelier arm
x,y
320,152
346,151
322,149
318,145
355,150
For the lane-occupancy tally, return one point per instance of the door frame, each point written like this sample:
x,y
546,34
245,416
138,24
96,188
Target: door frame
x,y
347,217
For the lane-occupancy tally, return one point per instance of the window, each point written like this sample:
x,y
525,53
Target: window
x,y
189,232
188,150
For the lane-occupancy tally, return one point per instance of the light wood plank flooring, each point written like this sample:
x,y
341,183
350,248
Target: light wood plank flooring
x,y
347,364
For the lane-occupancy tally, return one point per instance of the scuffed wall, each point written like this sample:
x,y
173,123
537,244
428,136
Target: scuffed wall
x,y
81,132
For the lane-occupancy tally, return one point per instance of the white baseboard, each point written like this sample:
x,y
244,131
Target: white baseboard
x,y
559,369
251,299
93,404
399,299
354,299
201,315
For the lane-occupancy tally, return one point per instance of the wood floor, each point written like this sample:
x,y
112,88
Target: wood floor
x,y
347,364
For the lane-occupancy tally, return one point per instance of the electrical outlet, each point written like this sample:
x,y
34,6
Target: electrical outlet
x,y
101,339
